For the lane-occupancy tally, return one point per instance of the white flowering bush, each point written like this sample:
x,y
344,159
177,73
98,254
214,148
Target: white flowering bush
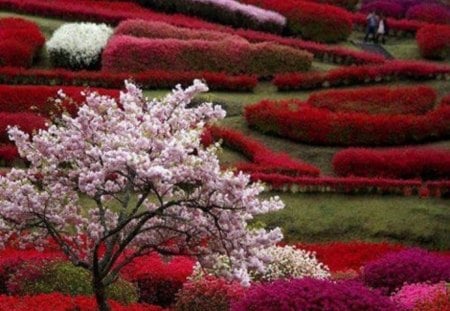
x,y
78,45
281,262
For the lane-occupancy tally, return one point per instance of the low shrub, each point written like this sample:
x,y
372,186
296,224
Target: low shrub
x,y
208,294
387,72
310,20
377,100
439,303
347,4
228,12
125,53
27,122
392,271
46,277
300,122
385,7
402,163
78,45
341,256
40,99
20,42
430,13
312,294
8,154
159,30
410,296
434,41
158,281
152,79
60,302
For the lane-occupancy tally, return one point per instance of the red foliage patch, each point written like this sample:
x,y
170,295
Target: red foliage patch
x,y
27,122
404,163
434,41
20,41
430,12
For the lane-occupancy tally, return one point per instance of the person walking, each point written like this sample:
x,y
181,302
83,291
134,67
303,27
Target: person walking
x,y
382,30
372,23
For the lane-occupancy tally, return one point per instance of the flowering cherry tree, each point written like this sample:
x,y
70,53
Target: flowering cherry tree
x,y
153,186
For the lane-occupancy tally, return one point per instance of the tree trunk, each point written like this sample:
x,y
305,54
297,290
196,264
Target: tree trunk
x,y
100,293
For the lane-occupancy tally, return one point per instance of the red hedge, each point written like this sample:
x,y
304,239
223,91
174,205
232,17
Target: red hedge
x,y
434,41
27,122
386,7
387,72
300,122
263,159
377,100
403,163
20,41
429,12
8,154
312,21
348,4
125,53
154,79
36,99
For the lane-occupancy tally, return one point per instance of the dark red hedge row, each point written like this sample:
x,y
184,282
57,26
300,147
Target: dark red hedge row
x,y
263,159
434,41
389,71
148,80
27,122
8,154
38,99
300,122
377,100
348,4
312,21
20,42
430,13
397,27
233,56
401,163
354,185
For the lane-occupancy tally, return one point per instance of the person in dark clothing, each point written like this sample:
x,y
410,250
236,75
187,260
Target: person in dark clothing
x,y
372,24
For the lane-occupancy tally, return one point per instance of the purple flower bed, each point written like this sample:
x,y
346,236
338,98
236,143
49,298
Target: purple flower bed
x,y
392,271
399,8
311,294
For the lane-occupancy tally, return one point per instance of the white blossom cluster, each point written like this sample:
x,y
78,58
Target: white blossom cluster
x,y
281,262
78,45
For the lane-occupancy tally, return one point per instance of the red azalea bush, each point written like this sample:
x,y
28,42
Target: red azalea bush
x,y
311,294
377,100
160,30
60,302
38,99
125,53
341,256
348,4
388,8
20,41
434,41
312,21
403,163
8,154
155,79
264,160
429,12
208,294
392,271
300,122
27,122
158,281
388,72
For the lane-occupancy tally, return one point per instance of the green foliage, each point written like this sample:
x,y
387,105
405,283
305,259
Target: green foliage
x,y
65,278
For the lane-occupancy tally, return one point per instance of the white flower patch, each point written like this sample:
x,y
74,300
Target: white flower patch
x,y
78,45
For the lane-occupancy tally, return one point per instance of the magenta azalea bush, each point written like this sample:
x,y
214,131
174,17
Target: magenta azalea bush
x,y
312,294
392,271
409,296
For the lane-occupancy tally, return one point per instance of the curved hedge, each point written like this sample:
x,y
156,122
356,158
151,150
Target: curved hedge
x,y
377,100
129,54
310,20
430,13
300,122
434,41
403,163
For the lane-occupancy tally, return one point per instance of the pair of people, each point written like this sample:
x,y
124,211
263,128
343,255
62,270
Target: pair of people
x,y
377,27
